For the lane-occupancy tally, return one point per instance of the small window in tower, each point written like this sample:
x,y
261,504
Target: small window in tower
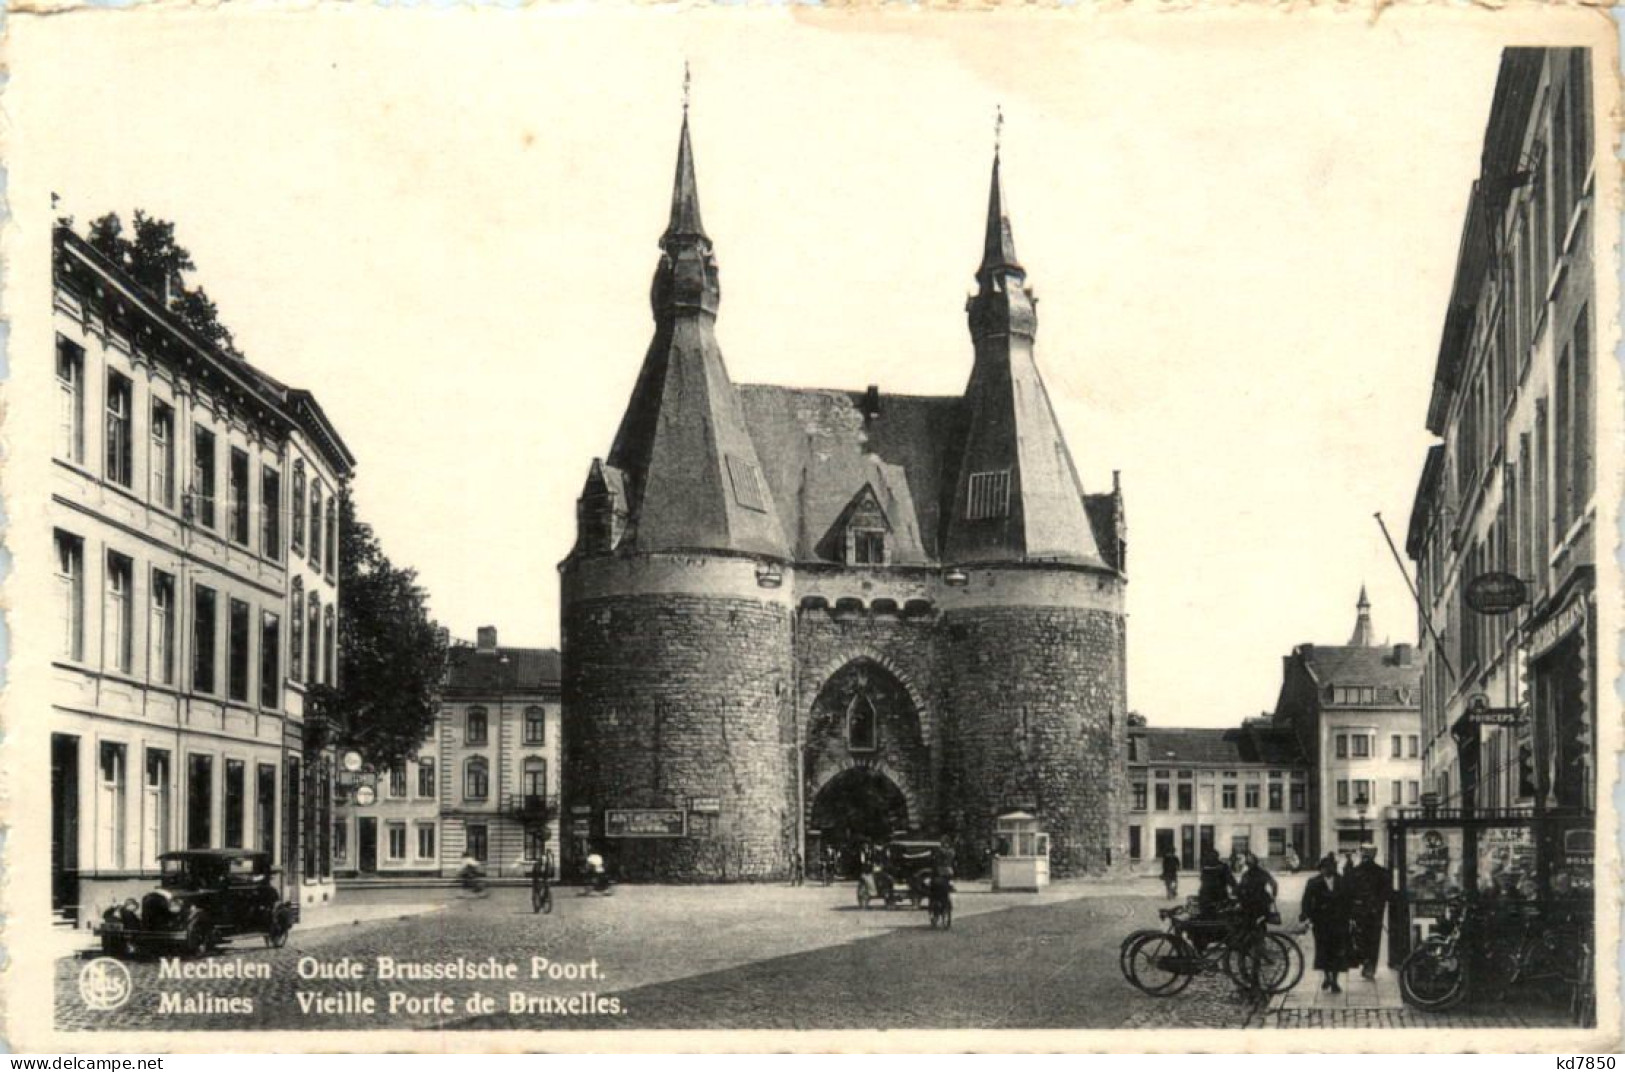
x,y
747,482
868,547
861,724
989,495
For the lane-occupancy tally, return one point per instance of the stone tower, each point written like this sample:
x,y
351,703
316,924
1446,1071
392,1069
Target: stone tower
x,y
796,619
1034,641
676,643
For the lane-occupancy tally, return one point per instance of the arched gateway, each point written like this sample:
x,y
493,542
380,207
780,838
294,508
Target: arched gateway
x,y
868,766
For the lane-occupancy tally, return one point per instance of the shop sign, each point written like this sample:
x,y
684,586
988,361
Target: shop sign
x,y
705,805
1480,713
1558,626
645,822
1496,593
581,809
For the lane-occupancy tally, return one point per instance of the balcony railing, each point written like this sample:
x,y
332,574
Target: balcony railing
x,y
530,807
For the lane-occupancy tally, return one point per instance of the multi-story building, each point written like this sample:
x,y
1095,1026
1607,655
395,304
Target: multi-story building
x,y
1233,790
1355,711
795,616
193,520
1510,698
486,783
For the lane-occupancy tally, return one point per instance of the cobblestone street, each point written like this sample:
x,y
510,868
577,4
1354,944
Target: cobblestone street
x,y
708,957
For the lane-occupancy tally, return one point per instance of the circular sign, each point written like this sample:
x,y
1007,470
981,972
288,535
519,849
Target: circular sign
x,y
352,761
365,795
105,985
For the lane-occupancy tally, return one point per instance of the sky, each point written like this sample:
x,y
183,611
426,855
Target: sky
x,y
1241,228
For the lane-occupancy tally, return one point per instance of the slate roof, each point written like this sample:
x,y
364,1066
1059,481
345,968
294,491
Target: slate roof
x,y
502,670
1342,665
1220,748
818,450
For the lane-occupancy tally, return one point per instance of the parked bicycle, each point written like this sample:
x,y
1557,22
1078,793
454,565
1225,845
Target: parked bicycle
x,y
1469,955
1161,963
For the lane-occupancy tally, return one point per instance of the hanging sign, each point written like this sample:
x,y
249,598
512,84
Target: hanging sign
x,y
1496,593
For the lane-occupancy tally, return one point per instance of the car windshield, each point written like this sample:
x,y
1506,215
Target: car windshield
x,y
178,874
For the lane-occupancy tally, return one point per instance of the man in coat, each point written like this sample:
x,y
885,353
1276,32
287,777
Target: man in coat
x,y
1326,909
1369,887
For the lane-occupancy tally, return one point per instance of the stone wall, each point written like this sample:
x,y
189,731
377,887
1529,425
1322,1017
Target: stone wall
x,y
670,697
1034,718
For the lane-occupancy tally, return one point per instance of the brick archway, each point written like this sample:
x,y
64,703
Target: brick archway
x,y
827,774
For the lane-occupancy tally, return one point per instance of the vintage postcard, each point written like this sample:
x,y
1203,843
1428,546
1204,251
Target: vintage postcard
x,y
786,528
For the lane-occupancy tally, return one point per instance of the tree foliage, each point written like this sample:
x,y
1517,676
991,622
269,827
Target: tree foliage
x,y
161,264
392,655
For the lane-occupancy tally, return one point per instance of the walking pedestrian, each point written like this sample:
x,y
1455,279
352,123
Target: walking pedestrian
x,y
1326,909
1257,891
1170,874
1369,890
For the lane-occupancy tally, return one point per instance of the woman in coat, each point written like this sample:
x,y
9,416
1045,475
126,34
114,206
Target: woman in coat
x,y
1326,909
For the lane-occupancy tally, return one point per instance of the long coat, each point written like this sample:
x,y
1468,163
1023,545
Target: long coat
x,y
1368,896
1326,907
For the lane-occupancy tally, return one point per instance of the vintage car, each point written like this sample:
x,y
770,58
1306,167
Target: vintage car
x,y
203,896
903,871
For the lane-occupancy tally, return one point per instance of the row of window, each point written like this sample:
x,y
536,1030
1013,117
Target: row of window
x,y
1364,745
199,499
476,840
163,618
1241,841
477,778
154,811
1250,795
477,726
1361,789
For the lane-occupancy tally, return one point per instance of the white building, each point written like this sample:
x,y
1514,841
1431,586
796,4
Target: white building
x,y
192,518
486,783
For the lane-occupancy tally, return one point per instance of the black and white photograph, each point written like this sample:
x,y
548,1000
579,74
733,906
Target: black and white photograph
x,y
559,528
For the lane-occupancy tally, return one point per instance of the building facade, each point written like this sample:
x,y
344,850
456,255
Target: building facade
x,y
802,617
193,514
1511,487
1233,790
485,784
1355,710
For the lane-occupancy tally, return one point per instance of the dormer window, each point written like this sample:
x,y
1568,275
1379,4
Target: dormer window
x,y
868,547
862,725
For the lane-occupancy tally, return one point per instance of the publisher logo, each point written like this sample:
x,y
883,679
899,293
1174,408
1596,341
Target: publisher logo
x,y
105,984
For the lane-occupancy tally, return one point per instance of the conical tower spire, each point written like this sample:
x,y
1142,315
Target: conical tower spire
x,y
1364,636
1017,496
691,477
685,194
999,245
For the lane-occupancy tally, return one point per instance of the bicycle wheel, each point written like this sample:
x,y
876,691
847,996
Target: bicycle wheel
x,y
1264,965
1433,977
1127,948
1156,964
1295,962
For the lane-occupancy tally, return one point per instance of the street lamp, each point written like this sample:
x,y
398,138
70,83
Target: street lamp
x,y
1360,806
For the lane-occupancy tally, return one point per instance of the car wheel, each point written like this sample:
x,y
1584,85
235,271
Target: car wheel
x,y
199,937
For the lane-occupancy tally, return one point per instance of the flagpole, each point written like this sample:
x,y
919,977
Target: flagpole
x,y
1427,619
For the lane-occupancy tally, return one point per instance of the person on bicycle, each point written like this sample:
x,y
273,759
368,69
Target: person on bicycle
x,y
1170,874
939,891
540,871
470,873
